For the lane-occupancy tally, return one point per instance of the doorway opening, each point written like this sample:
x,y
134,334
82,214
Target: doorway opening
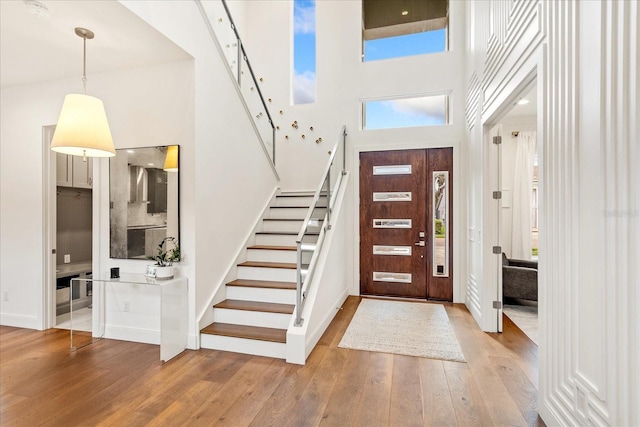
x,y
68,220
406,233
518,172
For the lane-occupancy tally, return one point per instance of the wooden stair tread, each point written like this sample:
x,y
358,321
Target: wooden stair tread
x,y
273,248
267,307
287,265
265,284
249,332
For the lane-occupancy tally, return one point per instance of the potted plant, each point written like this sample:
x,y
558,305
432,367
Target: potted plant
x,y
168,252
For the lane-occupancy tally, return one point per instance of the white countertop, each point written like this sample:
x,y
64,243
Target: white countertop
x,y
66,270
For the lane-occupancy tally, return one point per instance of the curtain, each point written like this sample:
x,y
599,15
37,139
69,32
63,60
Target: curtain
x,y
522,189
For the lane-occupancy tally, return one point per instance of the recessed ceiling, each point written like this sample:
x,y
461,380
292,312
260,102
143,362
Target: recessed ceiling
x,y
525,110
35,49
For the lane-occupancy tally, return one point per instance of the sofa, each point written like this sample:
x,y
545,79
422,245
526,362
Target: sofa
x,y
519,279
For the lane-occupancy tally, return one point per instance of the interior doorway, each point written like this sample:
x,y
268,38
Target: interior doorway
x,y
68,219
406,232
518,172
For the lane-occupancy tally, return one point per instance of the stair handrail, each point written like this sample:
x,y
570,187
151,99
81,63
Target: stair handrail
x,y
242,54
325,178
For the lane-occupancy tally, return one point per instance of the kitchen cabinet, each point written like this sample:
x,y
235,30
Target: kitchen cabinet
x,y
157,191
73,171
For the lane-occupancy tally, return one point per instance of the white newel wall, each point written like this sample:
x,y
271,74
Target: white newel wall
x,y
233,178
585,56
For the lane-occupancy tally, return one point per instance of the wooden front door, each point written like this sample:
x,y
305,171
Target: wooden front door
x,y
397,242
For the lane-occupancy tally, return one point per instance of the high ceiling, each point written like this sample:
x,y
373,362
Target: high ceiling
x,y
35,49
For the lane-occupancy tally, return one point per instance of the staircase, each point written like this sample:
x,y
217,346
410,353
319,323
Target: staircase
x,y
260,302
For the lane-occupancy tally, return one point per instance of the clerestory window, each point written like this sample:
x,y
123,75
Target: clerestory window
x,y
398,28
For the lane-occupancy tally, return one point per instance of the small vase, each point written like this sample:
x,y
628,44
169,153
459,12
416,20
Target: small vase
x,y
164,273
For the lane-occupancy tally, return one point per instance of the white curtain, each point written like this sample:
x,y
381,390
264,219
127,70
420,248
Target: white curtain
x,y
522,189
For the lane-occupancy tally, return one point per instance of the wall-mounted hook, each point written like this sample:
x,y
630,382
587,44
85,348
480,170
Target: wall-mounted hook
x,y
269,99
310,127
281,112
277,127
286,137
303,136
261,79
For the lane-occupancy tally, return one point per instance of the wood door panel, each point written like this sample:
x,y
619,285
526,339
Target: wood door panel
x,y
413,210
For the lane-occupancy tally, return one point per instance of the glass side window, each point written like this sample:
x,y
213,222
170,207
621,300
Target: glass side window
x,y
304,52
406,112
394,29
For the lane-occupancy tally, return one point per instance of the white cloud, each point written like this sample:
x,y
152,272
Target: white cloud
x,y
304,88
304,19
430,107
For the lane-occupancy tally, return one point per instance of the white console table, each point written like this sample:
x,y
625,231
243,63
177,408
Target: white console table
x,y
173,310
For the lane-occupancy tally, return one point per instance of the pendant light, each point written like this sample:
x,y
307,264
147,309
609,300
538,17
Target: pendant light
x,y
171,159
83,129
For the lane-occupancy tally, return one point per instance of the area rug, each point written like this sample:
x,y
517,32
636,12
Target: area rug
x,y
525,317
408,328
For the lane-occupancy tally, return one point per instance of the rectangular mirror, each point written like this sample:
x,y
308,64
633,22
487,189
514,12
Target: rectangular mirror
x,y
441,223
143,200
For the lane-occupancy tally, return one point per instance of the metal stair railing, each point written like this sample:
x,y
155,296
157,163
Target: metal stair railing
x,y
225,34
333,172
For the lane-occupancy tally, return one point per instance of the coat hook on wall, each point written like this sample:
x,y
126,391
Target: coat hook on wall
x,y
515,133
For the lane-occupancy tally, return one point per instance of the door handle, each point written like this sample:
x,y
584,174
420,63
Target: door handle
x,y
420,243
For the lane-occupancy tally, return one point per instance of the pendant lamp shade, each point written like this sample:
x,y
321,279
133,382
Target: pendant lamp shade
x,y
82,128
171,160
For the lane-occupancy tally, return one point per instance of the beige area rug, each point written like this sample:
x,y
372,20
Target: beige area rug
x,y
525,317
409,328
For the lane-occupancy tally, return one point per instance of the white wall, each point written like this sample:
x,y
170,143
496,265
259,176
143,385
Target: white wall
x,y
342,81
585,55
142,111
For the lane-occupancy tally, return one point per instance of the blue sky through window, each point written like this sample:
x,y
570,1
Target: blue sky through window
x,y
406,45
406,112
304,51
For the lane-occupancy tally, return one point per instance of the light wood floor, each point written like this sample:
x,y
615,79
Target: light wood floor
x,y
124,384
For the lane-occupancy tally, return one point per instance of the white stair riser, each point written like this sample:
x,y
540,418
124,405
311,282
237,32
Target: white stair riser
x,y
251,318
276,239
266,273
242,345
283,239
284,226
280,296
264,255
298,201
281,226
294,213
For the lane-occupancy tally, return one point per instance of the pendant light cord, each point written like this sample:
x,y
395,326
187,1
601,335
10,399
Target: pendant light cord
x,y
84,65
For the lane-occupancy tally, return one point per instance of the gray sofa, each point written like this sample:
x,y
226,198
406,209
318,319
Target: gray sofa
x,y
519,278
